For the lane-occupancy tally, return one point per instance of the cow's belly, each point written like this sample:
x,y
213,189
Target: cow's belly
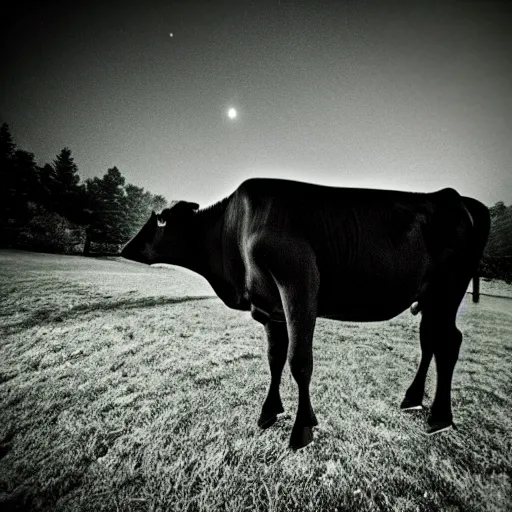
x,y
352,313
348,303
371,310
379,290
363,298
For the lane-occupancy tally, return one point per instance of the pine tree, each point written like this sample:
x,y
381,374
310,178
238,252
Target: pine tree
x,y
67,196
66,171
106,200
7,146
26,185
47,184
7,151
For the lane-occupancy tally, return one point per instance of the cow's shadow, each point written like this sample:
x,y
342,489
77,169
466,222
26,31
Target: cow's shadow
x,y
49,316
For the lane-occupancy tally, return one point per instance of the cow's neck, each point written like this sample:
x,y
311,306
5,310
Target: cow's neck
x,y
209,253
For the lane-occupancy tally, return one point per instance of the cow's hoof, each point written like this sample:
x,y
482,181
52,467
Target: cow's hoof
x,y
267,422
301,437
411,405
415,308
269,416
437,427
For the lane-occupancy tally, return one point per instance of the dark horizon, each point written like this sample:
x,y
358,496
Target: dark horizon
x,y
407,96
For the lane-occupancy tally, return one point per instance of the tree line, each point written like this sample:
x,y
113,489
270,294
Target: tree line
x,y
49,208
497,261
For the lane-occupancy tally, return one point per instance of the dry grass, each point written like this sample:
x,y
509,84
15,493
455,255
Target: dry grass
x,y
127,388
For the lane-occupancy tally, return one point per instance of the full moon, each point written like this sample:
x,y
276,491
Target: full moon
x,y
232,113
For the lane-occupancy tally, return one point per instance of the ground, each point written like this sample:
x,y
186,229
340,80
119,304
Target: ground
x,y
125,387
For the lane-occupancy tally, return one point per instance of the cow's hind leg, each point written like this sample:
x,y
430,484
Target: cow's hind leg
x,y
446,340
414,395
277,336
438,329
439,337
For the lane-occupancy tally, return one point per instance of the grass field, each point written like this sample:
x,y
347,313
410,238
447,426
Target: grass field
x,y
124,387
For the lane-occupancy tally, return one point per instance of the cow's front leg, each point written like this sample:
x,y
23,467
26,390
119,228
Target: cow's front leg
x,y
291,263
300,309
277,337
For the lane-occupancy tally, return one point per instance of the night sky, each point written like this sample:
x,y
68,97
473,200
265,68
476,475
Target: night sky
x,y
401,95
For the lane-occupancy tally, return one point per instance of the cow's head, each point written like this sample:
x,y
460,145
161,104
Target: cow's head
x,y
165,238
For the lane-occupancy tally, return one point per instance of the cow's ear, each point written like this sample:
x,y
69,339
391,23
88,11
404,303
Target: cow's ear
x,y
153,214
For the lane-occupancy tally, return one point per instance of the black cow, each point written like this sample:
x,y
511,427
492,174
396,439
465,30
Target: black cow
x,y
291,252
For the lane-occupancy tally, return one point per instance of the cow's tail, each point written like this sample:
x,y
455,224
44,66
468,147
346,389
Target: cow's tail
x,y
481,222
